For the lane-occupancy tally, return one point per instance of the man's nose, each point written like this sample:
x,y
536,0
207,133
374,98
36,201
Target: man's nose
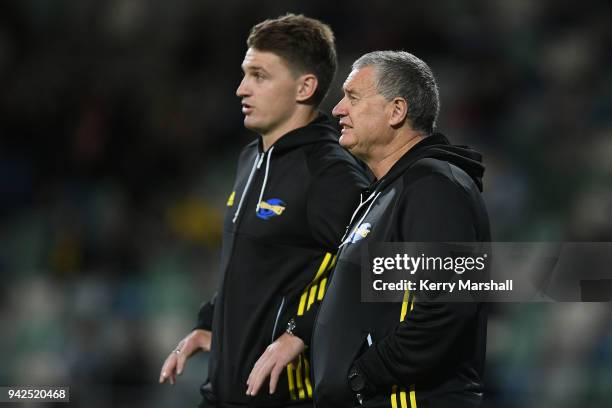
x,y
242,90
339,110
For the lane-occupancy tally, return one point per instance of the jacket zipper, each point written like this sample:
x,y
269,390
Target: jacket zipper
x,y
247,186
280,310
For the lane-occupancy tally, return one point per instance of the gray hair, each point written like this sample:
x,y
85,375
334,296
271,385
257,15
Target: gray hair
x,y
401,74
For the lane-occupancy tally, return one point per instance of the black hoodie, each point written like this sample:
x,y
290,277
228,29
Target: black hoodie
x,y
410,354
285,216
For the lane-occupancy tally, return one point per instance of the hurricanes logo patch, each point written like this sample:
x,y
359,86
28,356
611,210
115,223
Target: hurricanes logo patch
x,y
360,233
270,208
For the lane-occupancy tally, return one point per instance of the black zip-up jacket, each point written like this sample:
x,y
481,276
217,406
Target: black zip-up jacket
x,y
285,216
411,354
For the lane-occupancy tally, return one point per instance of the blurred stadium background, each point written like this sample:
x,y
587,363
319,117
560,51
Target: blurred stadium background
x,y
119,132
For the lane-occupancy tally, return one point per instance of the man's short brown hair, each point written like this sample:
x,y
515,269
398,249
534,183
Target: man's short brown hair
x,y
306,44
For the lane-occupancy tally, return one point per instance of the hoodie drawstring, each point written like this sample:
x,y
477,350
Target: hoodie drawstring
x,y
265,180
372,197
361,202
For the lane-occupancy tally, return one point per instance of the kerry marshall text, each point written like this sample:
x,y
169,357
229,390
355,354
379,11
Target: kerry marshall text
x,y
428,285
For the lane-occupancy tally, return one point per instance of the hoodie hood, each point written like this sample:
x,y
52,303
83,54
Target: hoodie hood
x,y
437,146
320,129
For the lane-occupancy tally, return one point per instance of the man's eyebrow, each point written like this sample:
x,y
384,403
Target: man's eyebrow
x,y
349,91
253,68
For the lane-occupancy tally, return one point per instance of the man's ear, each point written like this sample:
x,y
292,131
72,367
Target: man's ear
x,y
307,87
399,112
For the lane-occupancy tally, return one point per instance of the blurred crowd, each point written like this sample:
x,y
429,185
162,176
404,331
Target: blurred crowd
x,y
119,133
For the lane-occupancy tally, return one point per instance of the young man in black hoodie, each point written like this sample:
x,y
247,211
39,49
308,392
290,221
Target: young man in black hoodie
x,y
408,354
294,192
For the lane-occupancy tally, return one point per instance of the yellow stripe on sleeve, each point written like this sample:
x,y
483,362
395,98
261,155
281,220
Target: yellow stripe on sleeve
x,y
412,397
407,303
311,297
404,305
308,297
403,399
307,377
290,370
322,289
298,379
333,262
394,397
323,266
302,303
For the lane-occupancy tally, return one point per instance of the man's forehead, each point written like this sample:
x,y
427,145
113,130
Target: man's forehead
x,y
359,80
260,59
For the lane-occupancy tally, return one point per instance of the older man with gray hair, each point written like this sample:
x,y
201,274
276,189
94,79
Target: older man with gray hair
x,y
414,353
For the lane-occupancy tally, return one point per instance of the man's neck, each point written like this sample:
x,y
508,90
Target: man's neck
x,y
401,144
300,119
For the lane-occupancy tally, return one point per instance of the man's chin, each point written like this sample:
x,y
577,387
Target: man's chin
x,y
346,143
250,124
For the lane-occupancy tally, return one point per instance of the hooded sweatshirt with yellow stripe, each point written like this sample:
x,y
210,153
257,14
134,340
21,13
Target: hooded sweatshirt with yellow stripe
x,y
411,354
285,216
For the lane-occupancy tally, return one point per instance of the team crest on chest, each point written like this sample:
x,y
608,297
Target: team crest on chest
x,y
272,207
359,233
